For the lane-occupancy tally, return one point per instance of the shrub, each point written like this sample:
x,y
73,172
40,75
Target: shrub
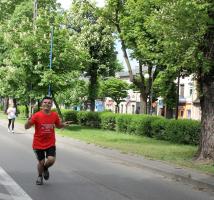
x,y
21,110
108,120
158,128
141,125
89,118
122,122
70,115
183,131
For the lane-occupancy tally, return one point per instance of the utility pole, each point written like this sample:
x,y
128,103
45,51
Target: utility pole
x,y
35,12
51,57
51,51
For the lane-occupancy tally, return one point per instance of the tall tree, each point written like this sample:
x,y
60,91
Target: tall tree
x,y
96,37
128,17
115,89
28,45
186,32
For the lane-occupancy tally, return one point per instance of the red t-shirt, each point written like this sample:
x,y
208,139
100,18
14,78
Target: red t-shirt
x,y
44,136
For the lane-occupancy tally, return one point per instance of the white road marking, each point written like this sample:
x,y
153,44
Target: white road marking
x,y
15,191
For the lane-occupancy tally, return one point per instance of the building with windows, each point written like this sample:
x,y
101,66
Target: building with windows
x,y
189,104
131,104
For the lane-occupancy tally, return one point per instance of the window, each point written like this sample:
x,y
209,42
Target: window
x,y
189,114
182,113
133,109
182,90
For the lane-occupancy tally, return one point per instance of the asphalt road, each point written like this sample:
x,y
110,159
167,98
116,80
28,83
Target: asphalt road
x,y
81,175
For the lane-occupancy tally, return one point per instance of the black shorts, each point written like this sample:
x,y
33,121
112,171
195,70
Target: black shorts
x,y
42,153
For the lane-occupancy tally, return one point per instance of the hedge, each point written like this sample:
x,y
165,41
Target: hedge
x,y
178,131
91,119
108,120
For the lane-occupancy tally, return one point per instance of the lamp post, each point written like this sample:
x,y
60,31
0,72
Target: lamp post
x,y
51,56
35,11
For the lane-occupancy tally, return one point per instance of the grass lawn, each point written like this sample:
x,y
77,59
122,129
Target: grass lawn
x,y
181,155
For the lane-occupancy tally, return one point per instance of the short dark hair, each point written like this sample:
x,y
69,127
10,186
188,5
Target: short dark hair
x,y
47,97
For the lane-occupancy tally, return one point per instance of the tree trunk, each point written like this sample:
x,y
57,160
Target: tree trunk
x,y
26,111
117,108
6,104
15,105
169,113
206,147
38,105
143,101
57,107
93,87
123,48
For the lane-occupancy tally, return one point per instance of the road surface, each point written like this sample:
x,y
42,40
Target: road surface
x,y
80,174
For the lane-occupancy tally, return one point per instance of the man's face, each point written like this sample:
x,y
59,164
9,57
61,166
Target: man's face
x,y
47,104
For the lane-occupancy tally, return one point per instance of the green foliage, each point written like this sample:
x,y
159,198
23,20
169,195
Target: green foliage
x,y
96,37
135,124
183,131
22,111
159,128
179,27
177,131
114,88
70,115
75,95
122,122
141,125
89,118
26,48
165,87
108,120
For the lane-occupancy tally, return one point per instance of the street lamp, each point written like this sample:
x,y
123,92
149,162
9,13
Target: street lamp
x,y
51,57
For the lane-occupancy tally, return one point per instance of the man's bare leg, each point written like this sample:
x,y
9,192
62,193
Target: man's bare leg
x,y
49,162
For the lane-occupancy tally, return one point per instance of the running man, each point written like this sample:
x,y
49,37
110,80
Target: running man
x,y
44,140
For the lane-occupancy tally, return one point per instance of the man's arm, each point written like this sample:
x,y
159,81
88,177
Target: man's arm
x,y
28,124
63,124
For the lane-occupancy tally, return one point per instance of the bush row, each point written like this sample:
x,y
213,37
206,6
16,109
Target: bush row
x,y
178,131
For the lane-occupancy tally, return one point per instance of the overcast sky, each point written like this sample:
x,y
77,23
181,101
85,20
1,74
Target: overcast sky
x,y
66,3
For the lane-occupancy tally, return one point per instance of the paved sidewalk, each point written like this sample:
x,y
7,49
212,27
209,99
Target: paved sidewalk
x,y
200,180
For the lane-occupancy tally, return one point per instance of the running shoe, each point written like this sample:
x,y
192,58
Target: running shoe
x,y
46,174
39,180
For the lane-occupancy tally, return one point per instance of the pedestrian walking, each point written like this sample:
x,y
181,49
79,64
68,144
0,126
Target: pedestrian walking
x,y
11,115
44,140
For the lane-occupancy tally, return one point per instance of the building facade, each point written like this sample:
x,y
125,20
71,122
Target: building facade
x,y
189,104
